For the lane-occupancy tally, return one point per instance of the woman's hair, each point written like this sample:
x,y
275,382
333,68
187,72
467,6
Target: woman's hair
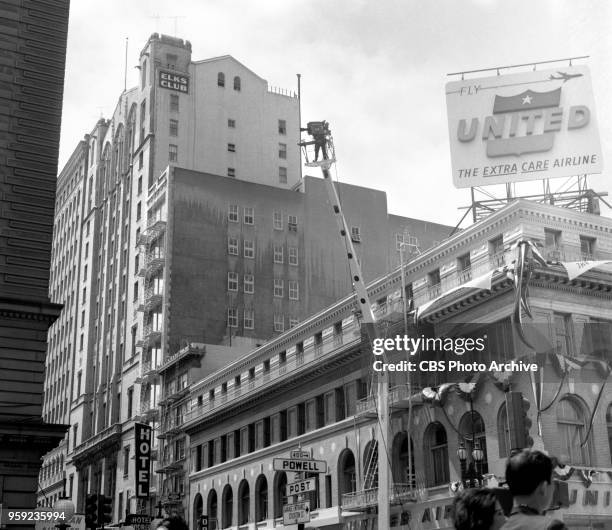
x,y
173,522
474,509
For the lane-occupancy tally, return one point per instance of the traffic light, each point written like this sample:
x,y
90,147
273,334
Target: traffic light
x,y
91,511
203,522
518,421
105,510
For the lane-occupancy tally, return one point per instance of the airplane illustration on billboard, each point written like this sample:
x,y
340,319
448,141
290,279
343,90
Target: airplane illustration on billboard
x,y
564,77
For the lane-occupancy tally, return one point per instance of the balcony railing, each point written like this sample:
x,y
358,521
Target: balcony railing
x,y
399,397
365,499
311,355
154,230
148,371
464,275
433,291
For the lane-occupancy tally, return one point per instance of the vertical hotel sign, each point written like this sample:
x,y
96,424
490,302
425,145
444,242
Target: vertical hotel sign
x,y
523,126
142,457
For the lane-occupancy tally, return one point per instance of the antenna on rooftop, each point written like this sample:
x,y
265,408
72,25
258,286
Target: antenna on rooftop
x,y
175,18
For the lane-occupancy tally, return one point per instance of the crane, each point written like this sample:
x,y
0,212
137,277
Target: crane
x,y
323,144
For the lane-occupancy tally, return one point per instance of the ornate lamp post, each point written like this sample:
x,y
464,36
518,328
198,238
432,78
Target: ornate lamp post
x,y
66,506
470,475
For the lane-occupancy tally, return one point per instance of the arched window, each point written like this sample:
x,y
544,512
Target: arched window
x,y
237,83
609,422
220,79
227,503
347,476
244,497
280,486
370,464
571,426
472,425
211,509
261,498
198,509
143,75
402,472
503,432
436,455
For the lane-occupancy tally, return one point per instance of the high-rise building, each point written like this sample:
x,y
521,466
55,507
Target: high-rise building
x,y
183,237
33,58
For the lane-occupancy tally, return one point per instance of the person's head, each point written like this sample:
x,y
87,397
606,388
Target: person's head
x,y
173,522
478,509
529,477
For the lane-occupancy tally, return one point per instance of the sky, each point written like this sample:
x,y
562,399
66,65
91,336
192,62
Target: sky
x,y
374,69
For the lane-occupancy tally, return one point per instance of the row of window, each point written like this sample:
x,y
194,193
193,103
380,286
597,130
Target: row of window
x,y
248,217
233,320
221,81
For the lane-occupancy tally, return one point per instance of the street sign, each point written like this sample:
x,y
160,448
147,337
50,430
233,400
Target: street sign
x,y
303,486
174,496
299,454
299,465
138,521
296,513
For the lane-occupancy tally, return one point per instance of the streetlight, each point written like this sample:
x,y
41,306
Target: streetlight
x,y
470,477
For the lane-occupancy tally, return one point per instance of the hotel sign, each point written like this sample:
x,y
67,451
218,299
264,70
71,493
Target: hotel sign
x,y
142,459
524,126
174,81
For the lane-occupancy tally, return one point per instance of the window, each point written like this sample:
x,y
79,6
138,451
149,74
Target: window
x,y
294,290
232,317
278,254
249,249
282,151
282,127
237,83
503,432
231,148
174,103
232,281
143,75
587,247
355,234
140,160
571,425
249,284
496,251
436,454
172,153
282,175
464,268
293,223
249,319
139,185
231,123
221,79
232,213
279,323
249,216
563,334
231,172
552,243
138,211
126,461
173,127
232,246
277,220
293,256
130,401
278,287
433,282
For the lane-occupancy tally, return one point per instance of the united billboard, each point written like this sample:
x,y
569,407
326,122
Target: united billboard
x,y
523,126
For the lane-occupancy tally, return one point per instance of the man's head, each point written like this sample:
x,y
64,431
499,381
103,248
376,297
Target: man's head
x,y
529,477
478,509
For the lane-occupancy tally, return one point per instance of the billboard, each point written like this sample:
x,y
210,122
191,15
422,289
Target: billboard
x,y
522,126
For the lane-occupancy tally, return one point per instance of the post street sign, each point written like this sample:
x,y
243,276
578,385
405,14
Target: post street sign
x,y
298,453
296,513
300,465
303,486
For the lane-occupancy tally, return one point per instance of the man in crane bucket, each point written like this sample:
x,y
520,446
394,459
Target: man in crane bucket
x,y
319,130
